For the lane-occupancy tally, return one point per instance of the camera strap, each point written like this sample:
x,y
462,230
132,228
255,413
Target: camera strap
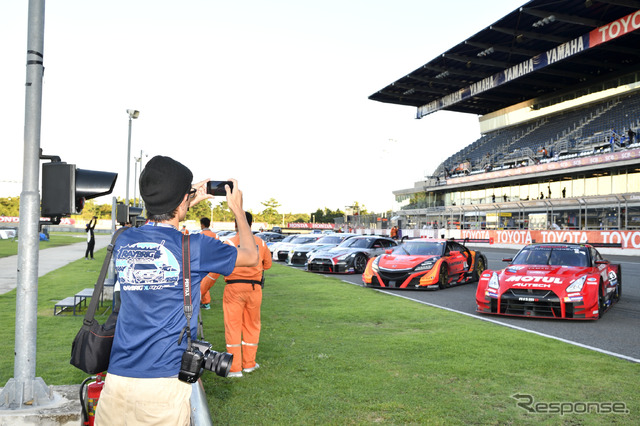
x,y
186,288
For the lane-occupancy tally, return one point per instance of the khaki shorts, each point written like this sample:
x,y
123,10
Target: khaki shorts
x,y
133,401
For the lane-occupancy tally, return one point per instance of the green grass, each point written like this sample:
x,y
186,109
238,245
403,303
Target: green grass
x,y
334,353
10,247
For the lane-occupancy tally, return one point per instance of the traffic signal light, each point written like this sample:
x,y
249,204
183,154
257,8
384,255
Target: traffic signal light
x,y
65,188
128,214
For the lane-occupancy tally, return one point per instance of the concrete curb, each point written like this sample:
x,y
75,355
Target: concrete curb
x,y
65,410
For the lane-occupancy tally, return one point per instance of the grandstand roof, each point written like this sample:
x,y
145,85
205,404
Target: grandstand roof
x,y
485,72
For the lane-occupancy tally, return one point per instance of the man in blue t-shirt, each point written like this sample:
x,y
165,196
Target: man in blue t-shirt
x,y
142,382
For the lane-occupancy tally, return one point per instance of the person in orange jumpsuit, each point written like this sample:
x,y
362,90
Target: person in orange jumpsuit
x,y
241,303
394,232
208,281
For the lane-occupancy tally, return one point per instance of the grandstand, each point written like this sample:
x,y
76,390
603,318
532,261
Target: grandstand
x,y
578,132
556,87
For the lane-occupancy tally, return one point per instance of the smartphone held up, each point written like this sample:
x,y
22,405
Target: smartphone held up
x,y
216,187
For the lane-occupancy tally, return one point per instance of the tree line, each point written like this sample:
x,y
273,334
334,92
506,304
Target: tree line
x,y
10,206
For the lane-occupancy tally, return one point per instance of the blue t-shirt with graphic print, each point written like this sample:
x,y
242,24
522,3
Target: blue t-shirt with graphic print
x,y
148,262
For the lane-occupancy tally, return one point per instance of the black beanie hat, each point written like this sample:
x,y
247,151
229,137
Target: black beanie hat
x,y
163,184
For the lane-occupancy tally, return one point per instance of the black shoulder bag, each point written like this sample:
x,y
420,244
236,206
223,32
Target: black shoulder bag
x,y
91,348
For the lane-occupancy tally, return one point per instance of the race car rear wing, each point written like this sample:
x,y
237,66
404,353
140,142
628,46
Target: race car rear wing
x,y
472,240
462,240
605,245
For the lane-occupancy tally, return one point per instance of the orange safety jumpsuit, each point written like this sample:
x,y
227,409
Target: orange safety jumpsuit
x,y
241,303
208,281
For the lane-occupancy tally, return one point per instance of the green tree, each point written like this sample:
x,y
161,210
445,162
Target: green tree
x,y
296,218
326,215
359,209
270,213
221,213
10,206
202,209
318,216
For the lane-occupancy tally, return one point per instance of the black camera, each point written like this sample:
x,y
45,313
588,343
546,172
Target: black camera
x,y
199,357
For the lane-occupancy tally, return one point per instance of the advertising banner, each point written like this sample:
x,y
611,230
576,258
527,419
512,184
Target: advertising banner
x,y
598,36
295,225
628,239
16,220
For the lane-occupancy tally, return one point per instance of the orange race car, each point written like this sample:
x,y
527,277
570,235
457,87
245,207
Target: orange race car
x,y
425,264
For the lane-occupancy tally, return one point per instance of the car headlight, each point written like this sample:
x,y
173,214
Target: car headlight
x,y
344,256
494,282
577,284
426,265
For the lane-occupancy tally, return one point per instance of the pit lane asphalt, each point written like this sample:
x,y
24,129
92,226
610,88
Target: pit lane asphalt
x,y
616,333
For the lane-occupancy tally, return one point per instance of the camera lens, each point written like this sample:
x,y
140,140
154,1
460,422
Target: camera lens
x,y
218,362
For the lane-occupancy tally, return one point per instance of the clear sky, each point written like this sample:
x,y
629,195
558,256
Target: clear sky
x,y
272,93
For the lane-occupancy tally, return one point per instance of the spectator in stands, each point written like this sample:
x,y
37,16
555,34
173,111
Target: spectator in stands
x,y
564,192
613,139
631,135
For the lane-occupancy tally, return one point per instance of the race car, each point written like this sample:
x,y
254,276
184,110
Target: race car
x,y
281,252
425,264
350,256
299,254
558,280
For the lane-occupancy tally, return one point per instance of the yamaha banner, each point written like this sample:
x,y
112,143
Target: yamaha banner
x,y
598,36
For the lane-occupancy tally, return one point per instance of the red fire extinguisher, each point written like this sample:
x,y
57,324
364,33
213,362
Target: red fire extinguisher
x,y
89,399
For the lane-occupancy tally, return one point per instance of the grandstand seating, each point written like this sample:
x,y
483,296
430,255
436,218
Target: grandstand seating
x,y
577,132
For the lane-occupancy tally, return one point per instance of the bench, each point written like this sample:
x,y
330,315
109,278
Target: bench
x,y
82,296
74,301
68,302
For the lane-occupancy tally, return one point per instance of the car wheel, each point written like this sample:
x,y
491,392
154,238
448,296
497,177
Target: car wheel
x,y
443,277
618,292
479,269
359,263
601,301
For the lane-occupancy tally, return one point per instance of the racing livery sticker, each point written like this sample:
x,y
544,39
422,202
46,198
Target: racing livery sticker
x,y
146,266
529,279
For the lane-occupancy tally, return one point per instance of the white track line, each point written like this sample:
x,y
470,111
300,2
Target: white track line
x,y
483,318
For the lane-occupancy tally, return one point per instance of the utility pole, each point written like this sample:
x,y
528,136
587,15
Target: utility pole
x,y
24,390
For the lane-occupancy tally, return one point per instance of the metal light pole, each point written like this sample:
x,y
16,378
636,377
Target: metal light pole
x,y
135,175
133,114
25,391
